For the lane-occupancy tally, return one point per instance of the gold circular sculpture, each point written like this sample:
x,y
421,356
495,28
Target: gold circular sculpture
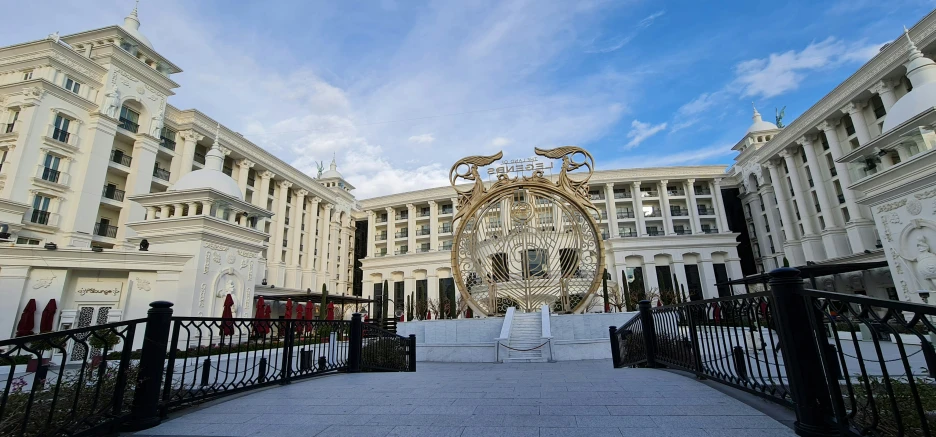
x,y
527,241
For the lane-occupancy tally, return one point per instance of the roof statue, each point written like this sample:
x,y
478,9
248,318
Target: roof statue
x,y
779,116
320,165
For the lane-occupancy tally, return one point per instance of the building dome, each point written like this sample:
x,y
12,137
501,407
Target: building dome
x,y
332,171
211,175
131,25
922,74
759,124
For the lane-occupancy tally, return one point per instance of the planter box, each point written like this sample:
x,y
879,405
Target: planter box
x,y
33,364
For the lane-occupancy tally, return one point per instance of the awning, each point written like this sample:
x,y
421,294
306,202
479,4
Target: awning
x,y
811,271
281,294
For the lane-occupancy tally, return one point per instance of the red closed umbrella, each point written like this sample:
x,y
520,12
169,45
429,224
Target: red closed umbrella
x,y
330,314
300,313
48,317
27,320
261,309
716,312
227,326
428,315
309,315
289,306
266,315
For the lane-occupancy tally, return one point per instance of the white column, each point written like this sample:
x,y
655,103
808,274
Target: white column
x,y
333,270
814,164
275,260
612,210
835,149
293,268
709,290
433,225
853,110
343,260
410,228
325,220
175,166
789,223
771,208
664,205
190,139
242,174
308,261
638,210
693,207
720,208
371,231
260,197
139,181
679,269
391,231
759,228
432,287
797,185
885,89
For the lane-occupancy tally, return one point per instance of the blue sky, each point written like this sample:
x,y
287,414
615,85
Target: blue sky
x,y
398,90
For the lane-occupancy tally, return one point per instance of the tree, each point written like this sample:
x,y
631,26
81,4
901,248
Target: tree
x,y
324,303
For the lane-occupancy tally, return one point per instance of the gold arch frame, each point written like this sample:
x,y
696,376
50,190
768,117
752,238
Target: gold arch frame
x,y
570,187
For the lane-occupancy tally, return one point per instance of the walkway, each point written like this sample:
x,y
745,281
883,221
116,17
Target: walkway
x,y
566,399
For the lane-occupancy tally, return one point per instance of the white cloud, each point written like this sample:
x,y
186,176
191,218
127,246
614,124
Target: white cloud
x,y
689,157
616,43
500,142
422,139
640,131
700,104
783,72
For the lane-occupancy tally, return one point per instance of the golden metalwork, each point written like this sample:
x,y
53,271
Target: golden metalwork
x,y
526,241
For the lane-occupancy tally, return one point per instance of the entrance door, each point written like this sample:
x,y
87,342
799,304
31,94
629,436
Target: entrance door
x,y
88,315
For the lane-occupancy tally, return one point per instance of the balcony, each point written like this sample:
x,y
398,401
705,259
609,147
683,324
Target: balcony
x,y
654,233
841,198
423,213
286,221
625,214
654,213
113,193
704,210
127,124
7,128
166,143
605,236
251,181
381,219
620,195
422,249
52,175
650,193
105,230
833,171
401,234
447,247
445,229
678,231
703,192
675,192
119,157
628,234
679,212
161,173
422,231
380,254
446,211
40,217
401,252
595,196
811,183
706,230
60,135
199,158
381,237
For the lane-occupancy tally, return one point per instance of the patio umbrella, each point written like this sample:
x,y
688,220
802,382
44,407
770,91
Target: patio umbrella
x,y
266,315
227,326
428,315
289,306
300,313
309,315
330,315
261,310
48,317
716,312
27,320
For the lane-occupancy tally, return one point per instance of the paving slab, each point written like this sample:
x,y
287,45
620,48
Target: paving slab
x,y
565,399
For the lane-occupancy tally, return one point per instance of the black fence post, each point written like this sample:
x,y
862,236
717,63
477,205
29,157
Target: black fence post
x,y
262,370
144,413
694,342
649,333
206,372
739,355
615,347
803,363
355,343
287,353
412,353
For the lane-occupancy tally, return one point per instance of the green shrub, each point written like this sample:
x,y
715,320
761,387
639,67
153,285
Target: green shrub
x,y
886,423
385,353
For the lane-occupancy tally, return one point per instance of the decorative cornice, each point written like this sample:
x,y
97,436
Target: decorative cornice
x,y
245,163
883,86
190,135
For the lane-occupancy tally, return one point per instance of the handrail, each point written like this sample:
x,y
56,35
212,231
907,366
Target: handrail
x,y
505,332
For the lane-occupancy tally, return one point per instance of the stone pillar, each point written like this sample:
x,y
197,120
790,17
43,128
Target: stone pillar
x,y
88,172
885,89
333,272
371,231
324,221
293,267
722,214
772,209
190,139
759,229
821,194
308,262
433,225
260,197
192,209
138,182
612,211
812,243
391,231
242,174
651,276
791,239
853,110
679,269
13,283
638,210
175,164
664,205
693,207
432,288
709,290
278,233
859,227
410,228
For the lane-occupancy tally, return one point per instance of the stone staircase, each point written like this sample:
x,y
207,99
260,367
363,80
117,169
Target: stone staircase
x,y
526,332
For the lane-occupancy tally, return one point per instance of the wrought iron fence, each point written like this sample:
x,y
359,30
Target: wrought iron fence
x,y
847,364
75,382
382,350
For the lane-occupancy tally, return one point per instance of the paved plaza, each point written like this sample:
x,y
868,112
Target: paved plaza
x,y
567,399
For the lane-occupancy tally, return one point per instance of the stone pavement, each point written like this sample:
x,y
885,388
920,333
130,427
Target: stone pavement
x,y
567,399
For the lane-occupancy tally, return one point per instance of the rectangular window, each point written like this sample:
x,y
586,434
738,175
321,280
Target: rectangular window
x,y
635,285
447,297
27,75
129,119
422,298
60,133
693,282
28,241
378,301
72,85
721,276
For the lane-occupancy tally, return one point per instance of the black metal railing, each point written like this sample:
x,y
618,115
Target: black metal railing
x,y
40,217
127,124
8,128
382,350
847,364
105,230
113,193
445,229
628,234
77,382
166,143
60,135
709,230
51,174
161,173
121,158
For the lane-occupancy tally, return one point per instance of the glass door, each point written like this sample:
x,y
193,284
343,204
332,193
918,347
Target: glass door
x,y
88,315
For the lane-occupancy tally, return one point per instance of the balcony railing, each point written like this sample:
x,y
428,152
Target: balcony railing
x,y
401,234
619,195
113,193
841,198
60,135
422,231
52,175
654,213
161,173
709,230
8,127
706,211
166,143
703,192
105,230
879,112
380,254
445,229
127,124
401,252
682,231
650,193
422,249
625,214
382,219
286,221
679,212
200,158
676,192
40,217
596,196
654,233
121,158
381,237
628,234
425,213
446,247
